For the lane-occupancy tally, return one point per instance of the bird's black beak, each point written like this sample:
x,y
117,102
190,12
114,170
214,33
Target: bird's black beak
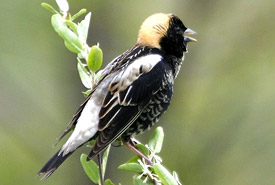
x,y
186,35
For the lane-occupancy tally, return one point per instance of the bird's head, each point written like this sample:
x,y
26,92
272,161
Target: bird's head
x,y
165,32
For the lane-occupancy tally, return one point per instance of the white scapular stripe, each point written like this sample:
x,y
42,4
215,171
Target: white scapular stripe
x,y
132,72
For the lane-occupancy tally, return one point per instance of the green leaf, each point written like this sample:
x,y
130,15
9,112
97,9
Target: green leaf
x,y
71,37
59,25
90,168
95,58
156,141
131,167
81,12
58,22
83,28
164,175
105,159
49,8
84,75
72,25
143,149
108,182
70,47
134,160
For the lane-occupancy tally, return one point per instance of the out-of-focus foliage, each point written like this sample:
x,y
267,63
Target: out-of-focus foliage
x,y
219,128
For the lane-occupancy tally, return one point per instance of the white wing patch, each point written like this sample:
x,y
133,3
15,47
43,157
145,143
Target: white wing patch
x,y
140,66
127,76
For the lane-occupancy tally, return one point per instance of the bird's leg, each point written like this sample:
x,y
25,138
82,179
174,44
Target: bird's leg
x,y
131,145
99,158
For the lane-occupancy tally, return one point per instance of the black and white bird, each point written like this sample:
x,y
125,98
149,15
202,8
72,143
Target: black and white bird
x,y
135,90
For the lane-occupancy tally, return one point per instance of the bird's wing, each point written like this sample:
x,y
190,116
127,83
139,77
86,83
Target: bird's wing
x,y
128,93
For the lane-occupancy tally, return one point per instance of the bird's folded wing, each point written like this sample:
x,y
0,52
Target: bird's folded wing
x,y
129,92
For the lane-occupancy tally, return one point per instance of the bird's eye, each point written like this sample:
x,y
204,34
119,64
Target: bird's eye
x,y
177,28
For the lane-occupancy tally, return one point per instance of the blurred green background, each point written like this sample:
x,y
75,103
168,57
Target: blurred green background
x,y
220,127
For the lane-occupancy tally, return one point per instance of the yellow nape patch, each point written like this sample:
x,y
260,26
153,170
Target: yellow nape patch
x,y
153,29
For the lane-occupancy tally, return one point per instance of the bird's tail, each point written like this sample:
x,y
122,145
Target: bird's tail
x,y
53,164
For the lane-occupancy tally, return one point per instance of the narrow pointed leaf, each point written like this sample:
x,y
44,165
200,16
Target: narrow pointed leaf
x,y
81,12
83,28
72,25
143,149
71,37
131,167
90,168
70,47
84,75
134,160
57,21
49,8
156,141
164,175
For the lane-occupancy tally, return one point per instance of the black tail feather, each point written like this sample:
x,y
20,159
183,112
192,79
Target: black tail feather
x,y
53,164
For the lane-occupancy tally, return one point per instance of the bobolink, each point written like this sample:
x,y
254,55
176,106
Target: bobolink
x,y
135,90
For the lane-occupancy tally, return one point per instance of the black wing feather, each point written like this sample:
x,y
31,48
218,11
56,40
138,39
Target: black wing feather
x,y
125,117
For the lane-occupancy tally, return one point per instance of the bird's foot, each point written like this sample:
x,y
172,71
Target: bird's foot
x,y
131,145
